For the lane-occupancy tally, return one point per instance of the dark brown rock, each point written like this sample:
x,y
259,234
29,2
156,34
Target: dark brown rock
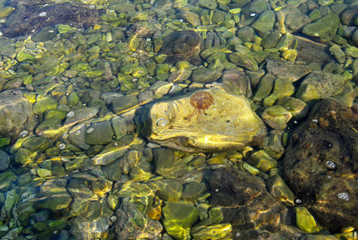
x,y
32,16
246,204
321,164
182,45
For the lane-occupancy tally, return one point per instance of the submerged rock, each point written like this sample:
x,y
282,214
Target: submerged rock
x,y
204,121
15,112
246,204
30,17
321,164
182,45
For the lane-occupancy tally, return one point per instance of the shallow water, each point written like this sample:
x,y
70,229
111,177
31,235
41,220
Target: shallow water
x,y
108,129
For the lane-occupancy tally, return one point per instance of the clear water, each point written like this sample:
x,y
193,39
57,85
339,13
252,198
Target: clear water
x,y
76,77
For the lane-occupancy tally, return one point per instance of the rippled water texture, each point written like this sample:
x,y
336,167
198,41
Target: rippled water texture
x,y
185,119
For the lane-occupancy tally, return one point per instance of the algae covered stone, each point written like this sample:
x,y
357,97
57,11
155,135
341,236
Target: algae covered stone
x,y
204,121
319,85
324,28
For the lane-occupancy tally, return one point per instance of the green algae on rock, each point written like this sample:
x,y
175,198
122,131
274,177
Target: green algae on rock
x,y
211,122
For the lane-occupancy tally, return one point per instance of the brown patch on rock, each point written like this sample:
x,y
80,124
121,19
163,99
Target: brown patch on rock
x,y
29,17
182,46
321,164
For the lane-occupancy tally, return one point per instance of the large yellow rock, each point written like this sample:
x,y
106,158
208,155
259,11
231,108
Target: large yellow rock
x,y
204,121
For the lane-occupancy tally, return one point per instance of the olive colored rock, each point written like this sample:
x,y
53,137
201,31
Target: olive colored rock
x,y
283,87
53,195
15,111
124,103
178,219
99,133
318,85
297,107
206,75
279,189
243,58
324,28
265,87
204,121
264,22
168,164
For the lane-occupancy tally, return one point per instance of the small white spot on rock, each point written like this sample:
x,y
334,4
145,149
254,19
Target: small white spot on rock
x,y
343,196
62,146
78,132
90,130
252,14
24,133
70,114
43,14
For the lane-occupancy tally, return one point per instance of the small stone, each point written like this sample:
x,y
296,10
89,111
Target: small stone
x,y
124,103
324,28
168,164
43,104
206,75
265,87
319,85
169,189
279,189
193,190
338,53
264,22
190,17
262,161
215,231
276,117
243,58
102,133
305,221
4,161
178,219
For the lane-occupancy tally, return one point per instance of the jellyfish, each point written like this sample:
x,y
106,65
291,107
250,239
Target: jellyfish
x,y
200,101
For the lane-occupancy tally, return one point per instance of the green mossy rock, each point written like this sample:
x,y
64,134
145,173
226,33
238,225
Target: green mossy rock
x,y
43,104
324,28
264,22
319,85
206,75
178,219
276,117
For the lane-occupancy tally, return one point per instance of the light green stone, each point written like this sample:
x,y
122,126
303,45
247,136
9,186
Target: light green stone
x,y
23,56
352,51
262,161
6,11
276,117
305,221
43,104
43,173
178,219
216,231
12,198
338,53
63,28
283,88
